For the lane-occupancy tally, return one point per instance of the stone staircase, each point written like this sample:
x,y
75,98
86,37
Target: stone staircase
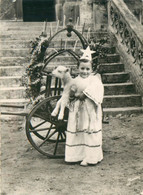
x,y
120,94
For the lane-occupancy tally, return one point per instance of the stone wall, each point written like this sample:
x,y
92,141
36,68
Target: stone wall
x,y
7,10
134,70
136,7
86,12
100,16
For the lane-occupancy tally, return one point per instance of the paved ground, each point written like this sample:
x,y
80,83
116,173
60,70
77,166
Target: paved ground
x,y
25,171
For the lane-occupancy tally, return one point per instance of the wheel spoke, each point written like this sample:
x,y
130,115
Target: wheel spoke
x,y
39,116
39,124
47,138
52,134
64,134
61,136
49,131
56,146
42,129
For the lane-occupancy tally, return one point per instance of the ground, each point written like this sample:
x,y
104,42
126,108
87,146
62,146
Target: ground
x,y
25,171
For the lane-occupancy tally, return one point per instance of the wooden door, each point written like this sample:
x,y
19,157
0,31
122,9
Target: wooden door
x,y
39,10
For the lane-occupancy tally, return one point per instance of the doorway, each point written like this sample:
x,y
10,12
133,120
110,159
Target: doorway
x,y
39,10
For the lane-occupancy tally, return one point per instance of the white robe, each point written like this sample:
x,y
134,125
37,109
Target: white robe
x,y
83,143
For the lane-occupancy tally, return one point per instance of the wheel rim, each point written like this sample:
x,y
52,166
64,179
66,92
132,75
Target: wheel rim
x,y
46,135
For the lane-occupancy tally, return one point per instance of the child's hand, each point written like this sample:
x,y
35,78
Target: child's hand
x,y
73,90
82,96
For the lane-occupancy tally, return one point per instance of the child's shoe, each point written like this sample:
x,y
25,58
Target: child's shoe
x,y
84,163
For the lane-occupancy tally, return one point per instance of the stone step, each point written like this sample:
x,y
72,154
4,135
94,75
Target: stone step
x,y
119,89
14,52
26,52
12,105
111,68
58,60
19,35
7,33
109,89
30,36
4,61
13,23
109,49
115,101
11,71
6,111
122,111
33,26
107,78
10,81
110,58
18,113
26,45
14,44
108,68
22,52
12,118
12,93
119,77
37,28
104,68
7,44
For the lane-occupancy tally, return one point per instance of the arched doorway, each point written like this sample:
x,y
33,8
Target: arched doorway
x,y
39,10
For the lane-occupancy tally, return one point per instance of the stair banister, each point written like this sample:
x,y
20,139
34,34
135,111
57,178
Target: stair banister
x,y
126,27
128,33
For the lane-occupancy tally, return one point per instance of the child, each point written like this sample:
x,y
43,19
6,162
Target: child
x,y
82,143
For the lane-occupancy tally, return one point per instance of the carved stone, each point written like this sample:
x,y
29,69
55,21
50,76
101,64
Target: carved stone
x,y
128,31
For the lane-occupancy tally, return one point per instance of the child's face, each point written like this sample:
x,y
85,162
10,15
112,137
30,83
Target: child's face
x,y
85,69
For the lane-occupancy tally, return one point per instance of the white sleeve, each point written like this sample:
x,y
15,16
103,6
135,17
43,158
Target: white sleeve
x,y
95,91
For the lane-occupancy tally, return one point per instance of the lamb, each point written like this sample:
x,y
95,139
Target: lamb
x,y
62,73
71,86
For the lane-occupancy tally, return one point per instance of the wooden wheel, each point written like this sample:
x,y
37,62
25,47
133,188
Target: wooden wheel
x,y
46,134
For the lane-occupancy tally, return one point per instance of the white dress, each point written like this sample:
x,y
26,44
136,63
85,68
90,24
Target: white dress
x,y
82,142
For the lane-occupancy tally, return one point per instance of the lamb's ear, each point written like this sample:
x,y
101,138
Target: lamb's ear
x,y
67,70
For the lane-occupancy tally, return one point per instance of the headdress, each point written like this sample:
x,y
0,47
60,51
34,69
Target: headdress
x,y
87,54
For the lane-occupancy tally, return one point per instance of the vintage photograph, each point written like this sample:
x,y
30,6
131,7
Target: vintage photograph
x,y
71,97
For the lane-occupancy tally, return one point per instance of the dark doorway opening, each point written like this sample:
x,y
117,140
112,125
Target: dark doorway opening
x,y
39,10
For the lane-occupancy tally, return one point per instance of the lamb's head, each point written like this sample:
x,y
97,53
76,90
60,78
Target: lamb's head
x,y
61,72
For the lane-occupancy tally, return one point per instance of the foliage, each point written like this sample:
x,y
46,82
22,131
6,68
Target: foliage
x,y
100,51
33,70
